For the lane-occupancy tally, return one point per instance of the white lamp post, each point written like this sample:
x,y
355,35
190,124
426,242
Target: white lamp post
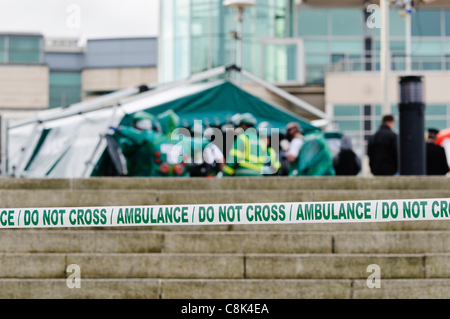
x,y
240,6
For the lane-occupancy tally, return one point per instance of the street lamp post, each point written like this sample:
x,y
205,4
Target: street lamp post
x,y
240,6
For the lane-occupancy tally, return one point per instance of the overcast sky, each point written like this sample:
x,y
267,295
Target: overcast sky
x,y
98,18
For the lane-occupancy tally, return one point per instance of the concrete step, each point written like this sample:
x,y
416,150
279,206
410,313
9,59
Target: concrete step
x,y
86,198
50,241
63,241
225,266
276,183
223,289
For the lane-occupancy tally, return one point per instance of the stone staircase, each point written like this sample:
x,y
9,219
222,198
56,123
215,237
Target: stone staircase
x,y
231,262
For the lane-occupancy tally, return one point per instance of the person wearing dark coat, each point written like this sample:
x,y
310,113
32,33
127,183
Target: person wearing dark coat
x,y
346,163
382,150
436,158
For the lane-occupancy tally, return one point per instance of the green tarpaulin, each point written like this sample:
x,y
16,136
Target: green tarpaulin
x,y
218,104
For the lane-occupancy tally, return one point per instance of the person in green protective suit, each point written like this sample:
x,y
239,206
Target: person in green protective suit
x,y
248,155
150,153
315,158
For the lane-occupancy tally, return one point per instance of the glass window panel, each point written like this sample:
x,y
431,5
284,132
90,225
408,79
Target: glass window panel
x,y
181,58
426,23
311,59
2,50
426,47
436,110
64,89
182,14
447,22
316,46
378,110
200,17
398,45
281,63
24,49
199,60
347,46
394,110
397,25
436,124
347,22
447,44
349,125
312,22
426,62
347,110
394,45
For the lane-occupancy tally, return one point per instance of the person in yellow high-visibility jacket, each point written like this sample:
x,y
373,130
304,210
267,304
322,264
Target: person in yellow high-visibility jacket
x,y
273,165
248,155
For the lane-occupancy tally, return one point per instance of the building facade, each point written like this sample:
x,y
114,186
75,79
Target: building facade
x,y
38,73
319,50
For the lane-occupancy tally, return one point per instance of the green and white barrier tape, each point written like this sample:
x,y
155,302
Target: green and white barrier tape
x,y
244,214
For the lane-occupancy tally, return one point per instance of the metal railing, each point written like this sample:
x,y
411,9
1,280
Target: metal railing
x,y
315,73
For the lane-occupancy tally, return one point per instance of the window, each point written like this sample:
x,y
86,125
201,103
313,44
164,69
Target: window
x,y
65,88
347,110
447,22
24,50
426,23
2,50
347,22
312,22
281,63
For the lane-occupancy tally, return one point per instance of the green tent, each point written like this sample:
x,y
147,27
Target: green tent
x,y
215,106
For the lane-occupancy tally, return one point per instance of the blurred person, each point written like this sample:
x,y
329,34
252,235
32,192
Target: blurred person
x,y
151,153
346,162
208,159
295,138
247,157
436,158
273,165
382,149
314,159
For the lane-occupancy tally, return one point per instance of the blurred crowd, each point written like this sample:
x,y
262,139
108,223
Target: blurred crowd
x,y
158,146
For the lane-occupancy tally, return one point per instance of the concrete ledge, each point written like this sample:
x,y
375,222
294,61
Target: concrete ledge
x,y
248,242
404,289
277,183
391,242
32,265
207,266
64,198
69,198
332,266
32,184
90,289
49,241
223,289
231,197
217,242
255,289
299,183
346,195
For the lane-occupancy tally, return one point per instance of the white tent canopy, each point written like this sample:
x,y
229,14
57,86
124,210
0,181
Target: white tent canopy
x,y
73,144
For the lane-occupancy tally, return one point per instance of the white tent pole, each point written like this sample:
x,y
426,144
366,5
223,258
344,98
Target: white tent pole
x,y
285,95
112,97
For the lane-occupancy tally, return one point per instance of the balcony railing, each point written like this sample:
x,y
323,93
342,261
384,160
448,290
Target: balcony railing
x,y
315,73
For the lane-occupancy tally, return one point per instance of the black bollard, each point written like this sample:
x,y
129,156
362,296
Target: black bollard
x,y
412,150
